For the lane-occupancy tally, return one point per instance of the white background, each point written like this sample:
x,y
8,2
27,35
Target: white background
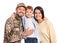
x,y
51,8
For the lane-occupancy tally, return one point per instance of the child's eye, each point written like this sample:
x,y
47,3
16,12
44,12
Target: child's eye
x,y
30,12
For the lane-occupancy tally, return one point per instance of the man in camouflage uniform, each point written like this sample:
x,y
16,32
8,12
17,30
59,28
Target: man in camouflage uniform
x,y
14,27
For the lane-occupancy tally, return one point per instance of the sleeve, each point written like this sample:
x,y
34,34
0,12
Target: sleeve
x,y
8,27
52,33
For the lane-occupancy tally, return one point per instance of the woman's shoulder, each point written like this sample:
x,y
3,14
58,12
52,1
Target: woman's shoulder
x,y
48,22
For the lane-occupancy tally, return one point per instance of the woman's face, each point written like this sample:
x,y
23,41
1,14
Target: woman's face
x,y
38,14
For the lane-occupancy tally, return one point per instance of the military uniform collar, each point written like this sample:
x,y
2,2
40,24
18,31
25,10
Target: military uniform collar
x,y
18,17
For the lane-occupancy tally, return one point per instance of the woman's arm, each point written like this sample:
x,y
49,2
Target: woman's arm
x,y
52,33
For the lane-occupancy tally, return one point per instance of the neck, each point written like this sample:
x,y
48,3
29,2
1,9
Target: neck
x,y
39,21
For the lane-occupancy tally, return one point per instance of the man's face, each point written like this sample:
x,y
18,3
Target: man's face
x,y
20,11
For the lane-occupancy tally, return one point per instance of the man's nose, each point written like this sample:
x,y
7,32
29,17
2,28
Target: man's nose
x,y
20,11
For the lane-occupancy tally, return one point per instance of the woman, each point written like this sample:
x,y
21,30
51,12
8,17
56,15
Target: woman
x,y
44,27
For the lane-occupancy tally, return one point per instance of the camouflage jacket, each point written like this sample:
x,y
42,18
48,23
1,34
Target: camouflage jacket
x,y
13,30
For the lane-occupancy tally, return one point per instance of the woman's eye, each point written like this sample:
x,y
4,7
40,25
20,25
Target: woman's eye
x,y
35,13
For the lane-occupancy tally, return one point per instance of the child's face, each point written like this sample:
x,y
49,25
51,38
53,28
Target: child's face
x,y
29,13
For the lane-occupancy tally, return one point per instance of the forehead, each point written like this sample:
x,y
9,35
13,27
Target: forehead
x,y
21,8
37,10
29,10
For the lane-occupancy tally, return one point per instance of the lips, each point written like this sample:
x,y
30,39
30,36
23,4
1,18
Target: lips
x,y
21,13
38,17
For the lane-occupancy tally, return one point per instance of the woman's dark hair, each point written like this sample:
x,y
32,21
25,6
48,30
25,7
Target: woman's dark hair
x,y
41,10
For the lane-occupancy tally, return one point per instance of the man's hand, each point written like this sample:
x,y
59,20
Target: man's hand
x,y
45,18
28,32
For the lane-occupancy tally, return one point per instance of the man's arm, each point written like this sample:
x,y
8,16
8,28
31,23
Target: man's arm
x,y
45,18
8,27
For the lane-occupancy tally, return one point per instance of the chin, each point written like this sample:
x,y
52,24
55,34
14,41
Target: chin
x,y
38,18
21,15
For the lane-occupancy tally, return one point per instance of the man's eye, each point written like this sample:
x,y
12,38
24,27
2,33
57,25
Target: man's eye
x,y
23,10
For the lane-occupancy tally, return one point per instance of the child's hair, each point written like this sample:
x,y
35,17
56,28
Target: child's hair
x,y
29,7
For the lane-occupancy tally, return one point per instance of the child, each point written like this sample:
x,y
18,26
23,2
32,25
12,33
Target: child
x,y
29,23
